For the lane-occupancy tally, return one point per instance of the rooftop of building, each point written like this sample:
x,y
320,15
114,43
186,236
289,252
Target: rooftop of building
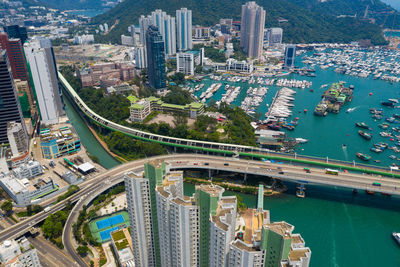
x,y
254,221
213,190
139,103
58,132
297,254
243,246
282,228
221,213
297,239
187,201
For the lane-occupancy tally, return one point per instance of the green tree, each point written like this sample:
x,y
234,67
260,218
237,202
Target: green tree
x,y
7,207
82,250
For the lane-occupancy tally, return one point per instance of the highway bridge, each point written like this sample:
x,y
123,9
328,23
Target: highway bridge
x,y
286,172
221,148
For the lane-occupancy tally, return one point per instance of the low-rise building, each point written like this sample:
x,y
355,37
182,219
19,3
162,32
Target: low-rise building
x,y
200,32
84,39
127,40
59,142
23,191
70,177
18,253
28,170
93,75
121,242
141,108
239,66
119,89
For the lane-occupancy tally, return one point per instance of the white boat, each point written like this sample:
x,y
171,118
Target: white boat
x,y
301,140
396,237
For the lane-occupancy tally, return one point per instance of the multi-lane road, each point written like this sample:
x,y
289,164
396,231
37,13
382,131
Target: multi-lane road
x,y
98,184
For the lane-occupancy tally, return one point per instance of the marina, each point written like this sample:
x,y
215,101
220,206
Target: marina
x,y
337,134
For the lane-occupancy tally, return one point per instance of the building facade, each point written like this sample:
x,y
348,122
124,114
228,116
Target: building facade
x,y
155,58
10,109
252,29
43,72
140,57
273,37
17,138
290,56
16,31
185,63
28,170
184,29
15,56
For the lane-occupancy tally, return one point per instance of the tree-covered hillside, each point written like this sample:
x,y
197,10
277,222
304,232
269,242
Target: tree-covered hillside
x,y
303,24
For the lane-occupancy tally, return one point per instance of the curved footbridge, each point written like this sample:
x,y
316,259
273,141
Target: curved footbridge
x,y
222,148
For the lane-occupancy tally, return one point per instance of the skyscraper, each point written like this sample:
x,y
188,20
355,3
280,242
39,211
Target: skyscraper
x,y
15,56
290,56
252,29
43,71
17,61
184,29
10,109
155,58
16,31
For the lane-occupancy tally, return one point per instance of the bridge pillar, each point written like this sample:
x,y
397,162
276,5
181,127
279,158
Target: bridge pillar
x,y
209,174
245,177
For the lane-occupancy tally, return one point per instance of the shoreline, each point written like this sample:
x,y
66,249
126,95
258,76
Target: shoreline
x,y
105,146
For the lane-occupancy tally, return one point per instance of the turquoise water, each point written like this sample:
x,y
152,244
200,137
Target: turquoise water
x,y
88,140
326,135
341,229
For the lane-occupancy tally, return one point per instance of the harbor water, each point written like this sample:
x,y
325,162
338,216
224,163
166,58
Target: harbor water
x,y
341,229
327,135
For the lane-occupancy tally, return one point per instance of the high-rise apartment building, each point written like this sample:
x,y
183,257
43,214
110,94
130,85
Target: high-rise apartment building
x,y
167,28
10,109
185,63
43,71
171,229
184,29
17,137
273,36
290,56
155,58
144,23
252,29
16,31
140,57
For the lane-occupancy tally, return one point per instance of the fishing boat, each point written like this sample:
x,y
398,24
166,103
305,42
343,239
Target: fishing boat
x,y
396,237
355,191
365,135
362,125
300,194
386,194
376,149
363,156
387,104
301,140
369,192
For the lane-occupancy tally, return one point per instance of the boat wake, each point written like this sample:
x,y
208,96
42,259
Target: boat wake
x,y
349,110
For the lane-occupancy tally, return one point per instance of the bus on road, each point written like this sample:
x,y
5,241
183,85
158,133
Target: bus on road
x,y
332,171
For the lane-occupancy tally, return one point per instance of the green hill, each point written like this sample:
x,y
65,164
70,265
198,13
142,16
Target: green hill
x,y
304,25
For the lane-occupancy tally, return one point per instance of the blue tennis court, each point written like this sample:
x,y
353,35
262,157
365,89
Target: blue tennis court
x,y
109,222
105,235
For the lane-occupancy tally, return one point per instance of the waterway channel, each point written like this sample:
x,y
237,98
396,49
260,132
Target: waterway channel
x,y
341,229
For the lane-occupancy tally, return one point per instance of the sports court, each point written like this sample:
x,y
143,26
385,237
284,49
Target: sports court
x,y
103,226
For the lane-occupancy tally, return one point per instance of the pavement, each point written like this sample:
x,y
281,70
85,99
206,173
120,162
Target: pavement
x,y
91,188
49,255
